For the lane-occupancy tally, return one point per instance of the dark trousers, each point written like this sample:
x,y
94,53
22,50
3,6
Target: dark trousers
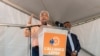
x,y
35,51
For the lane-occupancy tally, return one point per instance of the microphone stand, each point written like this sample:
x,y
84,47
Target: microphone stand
x,y
22,27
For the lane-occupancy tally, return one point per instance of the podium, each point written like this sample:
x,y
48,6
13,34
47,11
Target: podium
x,y
52,41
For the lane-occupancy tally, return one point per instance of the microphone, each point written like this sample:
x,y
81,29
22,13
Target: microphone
x,y
57,23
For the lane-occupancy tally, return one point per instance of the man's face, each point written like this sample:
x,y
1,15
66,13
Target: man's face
x,y
67,25
44,18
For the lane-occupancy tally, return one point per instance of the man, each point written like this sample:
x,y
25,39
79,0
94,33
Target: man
x,y
73,45
44,17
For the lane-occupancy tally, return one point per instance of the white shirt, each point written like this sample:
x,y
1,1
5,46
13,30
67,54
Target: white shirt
x,y
71,42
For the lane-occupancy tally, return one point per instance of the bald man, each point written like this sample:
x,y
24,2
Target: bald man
x,y
73,44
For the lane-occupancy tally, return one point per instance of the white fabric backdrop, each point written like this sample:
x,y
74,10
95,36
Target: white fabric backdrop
x,y
12,41
89,36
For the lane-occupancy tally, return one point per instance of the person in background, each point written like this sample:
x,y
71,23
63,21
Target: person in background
x,y
44,17
73,45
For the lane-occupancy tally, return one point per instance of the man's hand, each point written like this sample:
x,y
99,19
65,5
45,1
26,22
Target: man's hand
x,y
73,53
30,19
29,23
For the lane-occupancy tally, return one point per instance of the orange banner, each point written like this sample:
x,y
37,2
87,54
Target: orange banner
x,y
54,44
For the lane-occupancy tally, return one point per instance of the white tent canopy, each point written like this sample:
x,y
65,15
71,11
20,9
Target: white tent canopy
x,y
60,10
